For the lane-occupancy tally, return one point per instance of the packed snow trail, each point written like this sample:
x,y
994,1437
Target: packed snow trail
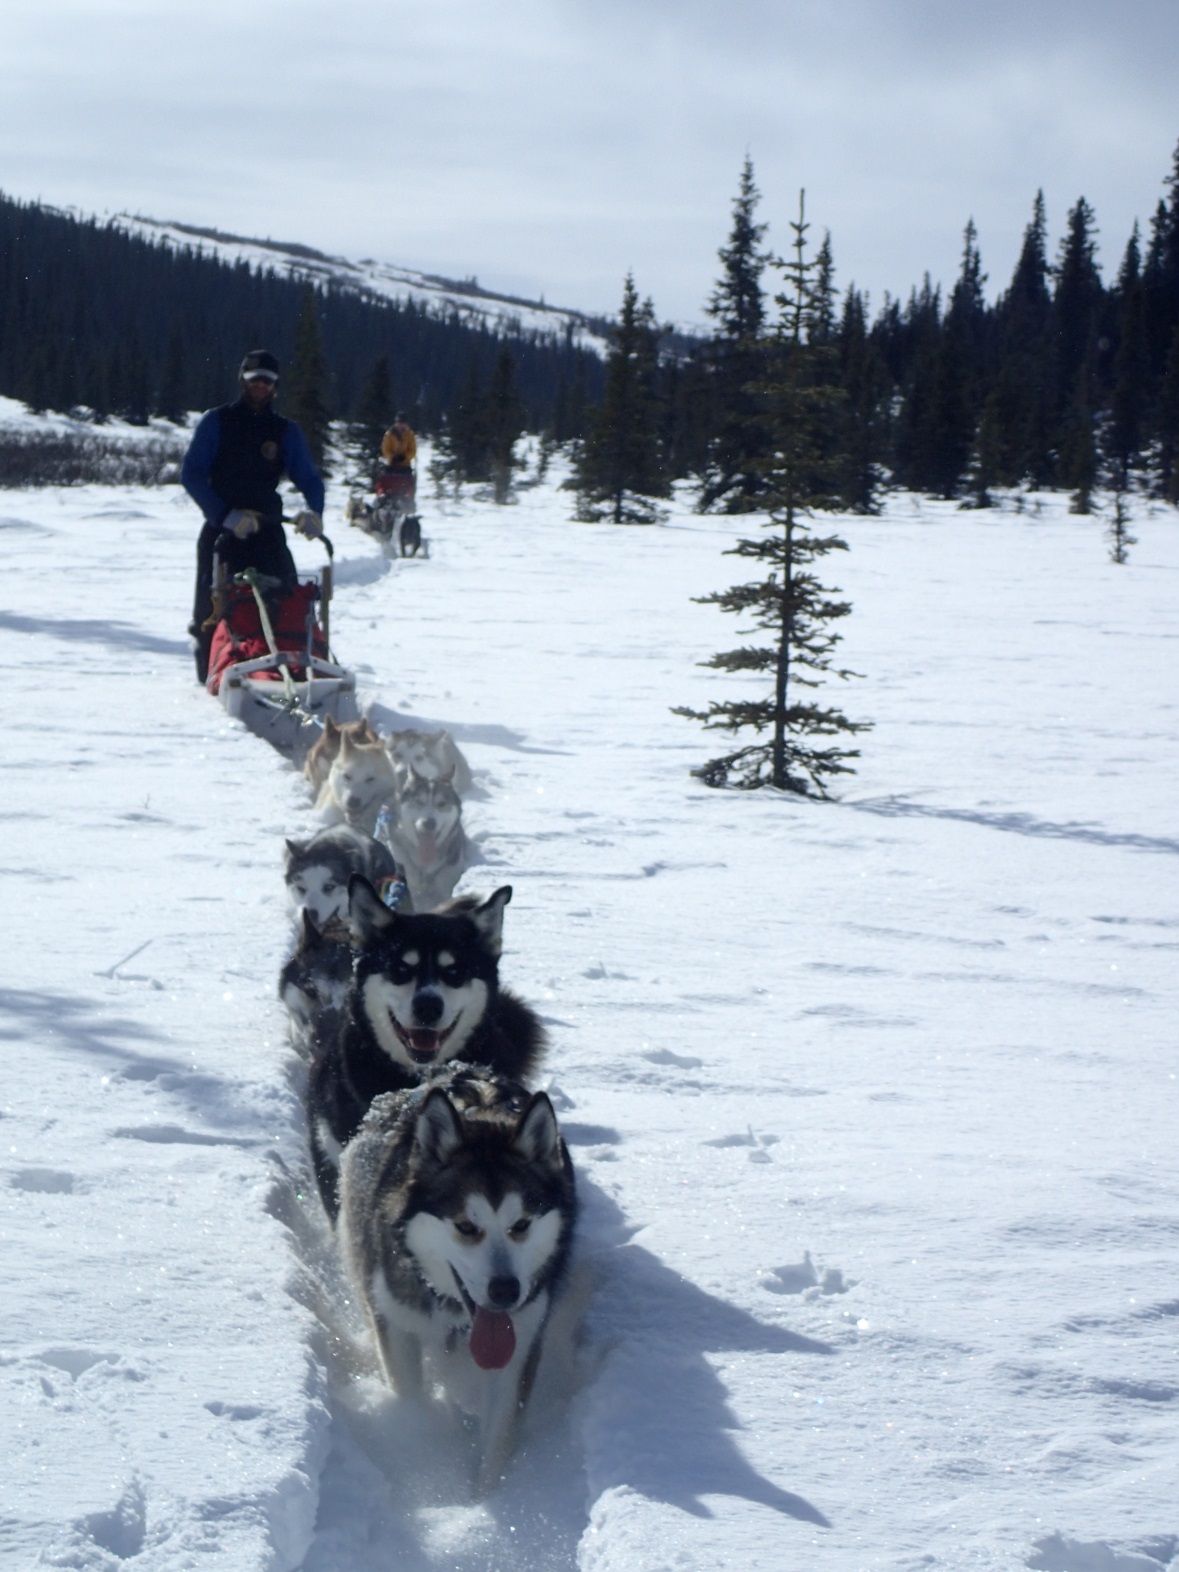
x,y
872,1103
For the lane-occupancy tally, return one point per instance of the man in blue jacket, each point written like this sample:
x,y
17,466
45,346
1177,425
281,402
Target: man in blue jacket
x,y
237,456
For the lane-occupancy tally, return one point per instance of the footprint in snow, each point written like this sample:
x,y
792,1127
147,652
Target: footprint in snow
x,y
803,1278
681,1061
1058,1554
43,1181
756,1143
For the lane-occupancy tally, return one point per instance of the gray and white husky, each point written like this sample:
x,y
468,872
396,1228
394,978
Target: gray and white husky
x,y
457,1213
434,754
317,871
315,981
423,827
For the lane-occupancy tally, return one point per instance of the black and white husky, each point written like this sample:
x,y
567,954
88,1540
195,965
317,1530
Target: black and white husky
x,y
425,991
317,870
456,1220
423,827
314,983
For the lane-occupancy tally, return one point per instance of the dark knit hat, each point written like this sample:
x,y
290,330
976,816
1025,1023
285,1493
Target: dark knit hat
x,y
259,363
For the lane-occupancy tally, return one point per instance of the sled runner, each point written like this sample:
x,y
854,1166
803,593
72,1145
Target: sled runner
x,y
270,663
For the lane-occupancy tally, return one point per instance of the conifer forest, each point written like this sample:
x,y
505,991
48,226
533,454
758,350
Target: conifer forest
x,y
1062,379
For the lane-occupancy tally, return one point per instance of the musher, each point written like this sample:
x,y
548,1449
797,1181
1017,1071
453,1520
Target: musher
x,y
399,446
237,456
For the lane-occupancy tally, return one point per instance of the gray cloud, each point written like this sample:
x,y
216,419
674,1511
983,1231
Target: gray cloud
x,y
549,145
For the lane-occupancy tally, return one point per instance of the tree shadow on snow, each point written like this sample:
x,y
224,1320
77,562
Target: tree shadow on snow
x,y
79,1025
79,630
1015,824
658,1419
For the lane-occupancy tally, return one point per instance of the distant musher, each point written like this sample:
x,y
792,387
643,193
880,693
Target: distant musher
x,y
237,456
399,446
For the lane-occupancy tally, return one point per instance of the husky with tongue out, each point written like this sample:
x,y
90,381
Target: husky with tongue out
x,y
425,991
456,1219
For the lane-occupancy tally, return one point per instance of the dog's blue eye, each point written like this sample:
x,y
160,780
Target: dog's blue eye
x,y
329,886
520,1227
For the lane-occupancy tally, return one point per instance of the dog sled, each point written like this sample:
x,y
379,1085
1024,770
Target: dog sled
x,y
270,660
390,515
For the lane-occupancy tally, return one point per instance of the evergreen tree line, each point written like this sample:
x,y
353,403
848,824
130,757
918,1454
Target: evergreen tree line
x,y
91,316
1064,381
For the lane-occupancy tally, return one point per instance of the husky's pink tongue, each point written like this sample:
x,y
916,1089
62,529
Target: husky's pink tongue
x,y
493,1338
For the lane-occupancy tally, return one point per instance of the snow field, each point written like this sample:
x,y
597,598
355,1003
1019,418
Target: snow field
x,y
872,1102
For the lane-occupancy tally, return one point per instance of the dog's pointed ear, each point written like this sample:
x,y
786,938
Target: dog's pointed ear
x,y
537,1138
439,1130
369,915
330,729
489,918
293,849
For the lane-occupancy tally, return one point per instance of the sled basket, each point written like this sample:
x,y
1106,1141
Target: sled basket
x,y
239,636
397,483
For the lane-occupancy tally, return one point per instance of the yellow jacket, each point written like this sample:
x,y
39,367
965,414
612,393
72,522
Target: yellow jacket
x,y
399,446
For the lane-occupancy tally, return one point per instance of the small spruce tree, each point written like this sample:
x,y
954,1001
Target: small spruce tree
x,y
1118,530
803,473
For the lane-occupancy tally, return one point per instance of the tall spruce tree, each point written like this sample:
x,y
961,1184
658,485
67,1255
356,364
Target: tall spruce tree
x,y
619,472
1019,410
1131,371
803,474
732,478
305,395
504,424
959,372
373,414
1077,307
865,383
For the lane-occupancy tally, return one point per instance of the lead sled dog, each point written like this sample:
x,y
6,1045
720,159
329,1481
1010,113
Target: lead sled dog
x,y
425,991
457,1212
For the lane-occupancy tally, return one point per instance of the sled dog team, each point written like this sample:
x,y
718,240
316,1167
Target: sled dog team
x,y
447,1180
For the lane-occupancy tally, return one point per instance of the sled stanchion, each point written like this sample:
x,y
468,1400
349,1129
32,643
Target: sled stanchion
x,y
325,604
288,682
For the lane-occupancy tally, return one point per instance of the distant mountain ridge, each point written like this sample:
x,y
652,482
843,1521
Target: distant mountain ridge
x,y
382,281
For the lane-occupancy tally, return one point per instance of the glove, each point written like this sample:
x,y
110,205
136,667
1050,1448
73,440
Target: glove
x,y
242,522
309,524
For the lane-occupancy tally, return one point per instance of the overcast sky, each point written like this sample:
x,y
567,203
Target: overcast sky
x,y
546,146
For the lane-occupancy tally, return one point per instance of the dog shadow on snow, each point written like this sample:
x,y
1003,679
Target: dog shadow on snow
x,y
657,1418
389,720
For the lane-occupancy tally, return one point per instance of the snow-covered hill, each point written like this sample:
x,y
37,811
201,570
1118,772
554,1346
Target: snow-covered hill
x,y
873,1103
379,280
